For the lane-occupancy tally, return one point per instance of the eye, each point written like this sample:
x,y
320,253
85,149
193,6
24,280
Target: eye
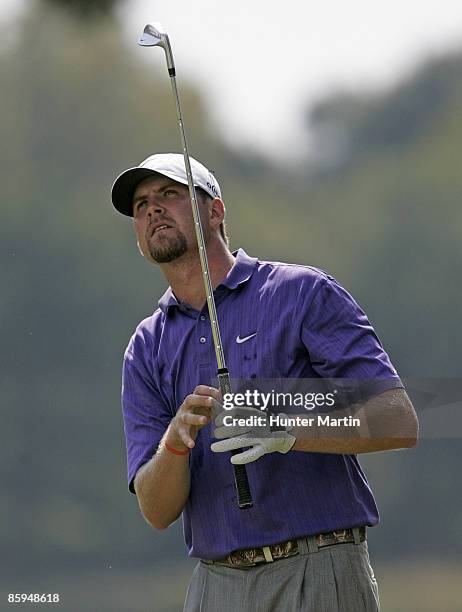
x,y
170,192
140,205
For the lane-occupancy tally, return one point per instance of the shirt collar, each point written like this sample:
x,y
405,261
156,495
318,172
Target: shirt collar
x,y
240,273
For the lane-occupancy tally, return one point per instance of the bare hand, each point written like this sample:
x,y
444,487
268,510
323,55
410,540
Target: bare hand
x,y
194,413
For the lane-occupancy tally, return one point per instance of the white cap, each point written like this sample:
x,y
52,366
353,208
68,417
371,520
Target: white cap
x,y
167,164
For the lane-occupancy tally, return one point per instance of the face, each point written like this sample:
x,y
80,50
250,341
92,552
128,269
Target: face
x,y
163,219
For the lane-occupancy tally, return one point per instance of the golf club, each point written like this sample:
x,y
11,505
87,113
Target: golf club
x,y
155,35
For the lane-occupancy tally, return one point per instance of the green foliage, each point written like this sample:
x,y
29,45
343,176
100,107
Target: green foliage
x,y
85,9
393,209
395,119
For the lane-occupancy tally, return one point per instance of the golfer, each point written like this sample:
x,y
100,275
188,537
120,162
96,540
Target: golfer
x,y
302,546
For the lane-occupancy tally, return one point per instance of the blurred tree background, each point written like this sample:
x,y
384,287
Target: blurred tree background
x,y
378,206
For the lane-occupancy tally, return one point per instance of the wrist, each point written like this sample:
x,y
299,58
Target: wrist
x,y
175,451
174,443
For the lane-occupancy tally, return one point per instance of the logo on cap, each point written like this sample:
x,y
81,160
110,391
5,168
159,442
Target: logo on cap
x,y
213,188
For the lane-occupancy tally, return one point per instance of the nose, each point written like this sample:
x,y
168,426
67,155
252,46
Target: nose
x,y
154,207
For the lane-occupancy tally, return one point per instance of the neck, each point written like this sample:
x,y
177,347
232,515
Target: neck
x,y
185,278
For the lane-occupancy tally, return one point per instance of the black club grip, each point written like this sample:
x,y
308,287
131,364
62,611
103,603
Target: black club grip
x,y
244,495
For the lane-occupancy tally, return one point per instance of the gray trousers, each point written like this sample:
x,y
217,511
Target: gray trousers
x,y
333,579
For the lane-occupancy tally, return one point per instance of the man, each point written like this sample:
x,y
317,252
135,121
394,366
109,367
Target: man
x,y
301,547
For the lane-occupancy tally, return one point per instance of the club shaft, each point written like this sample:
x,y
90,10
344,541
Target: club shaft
x,y
200,236
244,495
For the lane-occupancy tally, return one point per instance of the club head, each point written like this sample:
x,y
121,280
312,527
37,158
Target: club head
x,y
153,34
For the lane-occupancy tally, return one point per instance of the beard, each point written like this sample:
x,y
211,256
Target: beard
x,y
168,248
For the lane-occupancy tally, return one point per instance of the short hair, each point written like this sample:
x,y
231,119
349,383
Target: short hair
x,y
204,196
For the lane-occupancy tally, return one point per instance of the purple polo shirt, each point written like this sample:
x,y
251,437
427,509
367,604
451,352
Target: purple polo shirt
x,y
307,326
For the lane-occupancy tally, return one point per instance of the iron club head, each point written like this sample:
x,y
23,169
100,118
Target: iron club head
x,y
153,34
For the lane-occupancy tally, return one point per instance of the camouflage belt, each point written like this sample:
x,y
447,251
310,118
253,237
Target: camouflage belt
x,y
249,557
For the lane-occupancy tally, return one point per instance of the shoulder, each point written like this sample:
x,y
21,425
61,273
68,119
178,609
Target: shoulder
x,y
310,287
293,278
145,336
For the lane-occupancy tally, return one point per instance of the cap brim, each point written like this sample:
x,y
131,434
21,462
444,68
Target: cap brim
x,y
124,188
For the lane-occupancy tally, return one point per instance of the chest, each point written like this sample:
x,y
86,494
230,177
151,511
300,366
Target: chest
x,y
260,336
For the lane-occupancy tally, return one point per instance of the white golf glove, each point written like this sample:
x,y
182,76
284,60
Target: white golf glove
x,y
256,434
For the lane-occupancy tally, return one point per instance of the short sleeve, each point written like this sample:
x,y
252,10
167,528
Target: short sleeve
x,y
146,416
342,343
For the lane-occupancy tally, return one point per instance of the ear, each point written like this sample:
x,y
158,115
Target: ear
x,y
217,212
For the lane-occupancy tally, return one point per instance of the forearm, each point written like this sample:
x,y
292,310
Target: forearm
x,y
350,446
162,484
384,422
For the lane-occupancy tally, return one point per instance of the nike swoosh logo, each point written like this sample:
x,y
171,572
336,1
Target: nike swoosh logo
x,y
240,340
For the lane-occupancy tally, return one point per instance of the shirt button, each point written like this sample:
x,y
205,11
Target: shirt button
x,y
202,340
203,317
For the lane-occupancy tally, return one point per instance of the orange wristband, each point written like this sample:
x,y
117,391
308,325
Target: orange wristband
x,y
174,451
